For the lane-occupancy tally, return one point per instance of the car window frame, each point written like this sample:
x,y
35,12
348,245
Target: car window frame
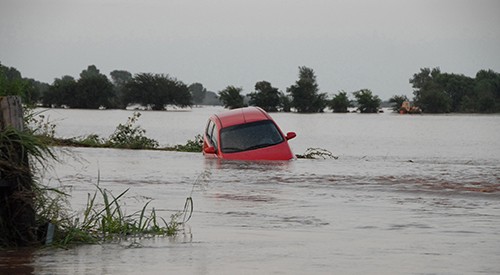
x,y
211,132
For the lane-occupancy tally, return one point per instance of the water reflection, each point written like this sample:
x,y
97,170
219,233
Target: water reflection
x,y
214,163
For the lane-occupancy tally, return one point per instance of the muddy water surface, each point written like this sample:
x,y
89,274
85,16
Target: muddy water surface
x,y
407,195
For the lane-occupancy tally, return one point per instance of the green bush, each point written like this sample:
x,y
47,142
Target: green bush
x,y
194,145
130,136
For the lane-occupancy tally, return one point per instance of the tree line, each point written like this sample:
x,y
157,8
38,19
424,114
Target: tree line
x,y
434,92
303,96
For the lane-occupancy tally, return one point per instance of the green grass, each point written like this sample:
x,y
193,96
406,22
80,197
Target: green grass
x,y
103,220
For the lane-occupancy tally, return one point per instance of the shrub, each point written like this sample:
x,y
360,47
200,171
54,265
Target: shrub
x,y
132,137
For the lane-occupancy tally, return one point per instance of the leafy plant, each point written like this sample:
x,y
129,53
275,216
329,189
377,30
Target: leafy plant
x,y
130,136
38,123
194,145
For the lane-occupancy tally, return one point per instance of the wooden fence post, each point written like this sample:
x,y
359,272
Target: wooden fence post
x,y
11,112
17,214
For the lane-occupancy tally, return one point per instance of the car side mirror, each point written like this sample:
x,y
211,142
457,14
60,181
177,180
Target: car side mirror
x,y
290,135
209,150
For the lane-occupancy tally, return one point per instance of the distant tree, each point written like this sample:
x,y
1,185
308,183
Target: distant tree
x,y
156,91
12,83
305,96
211,98
430,96
265,96
90,72
397,101
231,97
60,92
179,94
285,102
35,89
367,102
198,93
340,103
456,87
487,91
93,90
434,100
119,78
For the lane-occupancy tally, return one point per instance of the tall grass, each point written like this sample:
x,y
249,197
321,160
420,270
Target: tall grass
x,y
18,192
105,220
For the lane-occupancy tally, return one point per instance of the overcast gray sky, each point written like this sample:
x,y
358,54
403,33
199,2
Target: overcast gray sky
x,y
350,44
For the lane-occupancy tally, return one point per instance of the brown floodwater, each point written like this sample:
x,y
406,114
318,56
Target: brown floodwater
x,y
407,195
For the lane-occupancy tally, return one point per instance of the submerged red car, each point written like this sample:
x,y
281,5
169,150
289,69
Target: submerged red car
x,y
246,134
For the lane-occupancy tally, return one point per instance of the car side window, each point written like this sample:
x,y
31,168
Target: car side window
x,y
212,133
214,137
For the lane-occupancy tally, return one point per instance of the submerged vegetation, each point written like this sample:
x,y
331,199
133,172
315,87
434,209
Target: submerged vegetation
x,y
33,214
317,153
107,221
125,136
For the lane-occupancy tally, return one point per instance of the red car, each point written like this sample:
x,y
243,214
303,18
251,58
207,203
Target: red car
x,y
246,134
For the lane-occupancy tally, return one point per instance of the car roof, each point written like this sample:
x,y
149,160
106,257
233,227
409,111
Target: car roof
x,y
241,116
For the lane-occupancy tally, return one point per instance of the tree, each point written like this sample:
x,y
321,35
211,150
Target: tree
x,y
60,92
198,92
456,87
90,72
93,90
265,96
429,94
119,78
305,96
12,83
179,93
397,100
367,102
156,91
487,91
340,103
434,100
285,102
231,97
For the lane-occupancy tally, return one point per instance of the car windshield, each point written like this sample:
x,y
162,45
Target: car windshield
x,y
249,136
